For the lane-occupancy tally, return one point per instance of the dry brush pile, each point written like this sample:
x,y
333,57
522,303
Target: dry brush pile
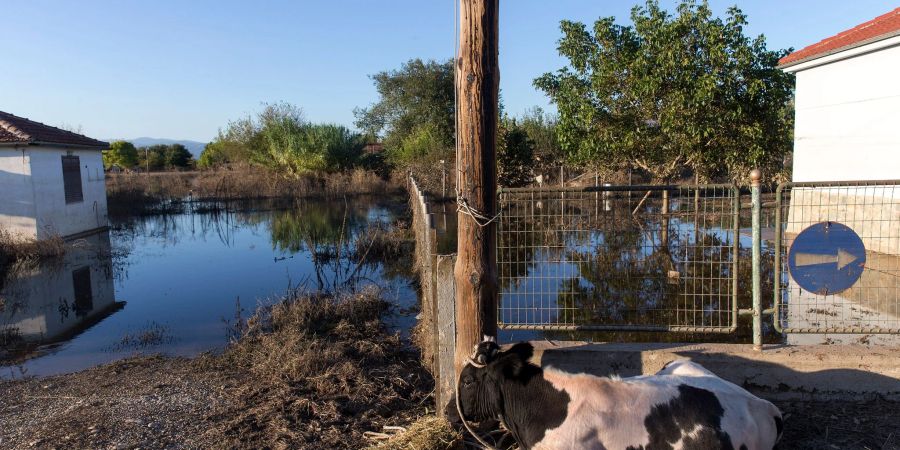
x,y
320,371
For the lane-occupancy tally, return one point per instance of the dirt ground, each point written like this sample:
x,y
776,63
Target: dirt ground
x,y
869,424
173,403
311,372
139,403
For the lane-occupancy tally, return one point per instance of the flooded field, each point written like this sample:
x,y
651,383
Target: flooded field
x,y
177,284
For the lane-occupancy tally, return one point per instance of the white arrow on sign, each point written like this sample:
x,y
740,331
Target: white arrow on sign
x,y
811,259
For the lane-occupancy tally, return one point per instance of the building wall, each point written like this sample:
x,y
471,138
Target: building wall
x,y
54,216
17,211
848,119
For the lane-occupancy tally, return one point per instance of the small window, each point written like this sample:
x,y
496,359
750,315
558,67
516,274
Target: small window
x,y
71,166
84,297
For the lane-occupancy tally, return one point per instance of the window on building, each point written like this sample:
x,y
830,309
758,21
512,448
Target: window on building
x,y
71,167
84,297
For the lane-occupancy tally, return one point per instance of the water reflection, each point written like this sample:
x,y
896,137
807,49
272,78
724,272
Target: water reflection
x,y
185,275
570,262
56,302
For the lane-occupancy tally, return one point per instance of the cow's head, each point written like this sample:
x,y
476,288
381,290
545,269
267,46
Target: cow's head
x,y
481,379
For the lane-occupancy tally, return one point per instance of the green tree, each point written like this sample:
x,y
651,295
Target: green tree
x,y
673,91
541,130
414,110
178,156
293,146
152,157
121,154
515,154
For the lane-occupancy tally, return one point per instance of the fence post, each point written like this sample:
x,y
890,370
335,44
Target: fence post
x,y
755,175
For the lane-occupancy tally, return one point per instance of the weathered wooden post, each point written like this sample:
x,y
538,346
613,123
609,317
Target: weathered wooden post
x,y
477,87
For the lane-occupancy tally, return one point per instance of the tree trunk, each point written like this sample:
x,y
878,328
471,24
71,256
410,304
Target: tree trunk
x,y
477,86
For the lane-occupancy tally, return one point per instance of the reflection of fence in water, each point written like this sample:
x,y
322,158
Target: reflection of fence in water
x,y
617,257
872,210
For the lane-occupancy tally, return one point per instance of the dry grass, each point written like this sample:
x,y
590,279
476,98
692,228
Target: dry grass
x,y
384,242
324,370
426,433
136,193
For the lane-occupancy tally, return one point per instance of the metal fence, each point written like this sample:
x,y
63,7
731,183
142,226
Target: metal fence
x,y
643,258
837,257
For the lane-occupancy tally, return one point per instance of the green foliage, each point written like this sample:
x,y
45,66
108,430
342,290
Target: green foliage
x,y
515,154
673,91
414,113
281,139
121,154
422,141
164,157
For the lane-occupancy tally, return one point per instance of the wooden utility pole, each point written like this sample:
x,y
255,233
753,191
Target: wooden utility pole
x,y
477,87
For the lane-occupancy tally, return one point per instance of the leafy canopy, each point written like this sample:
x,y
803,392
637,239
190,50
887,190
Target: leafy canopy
x,y
414,112
281,139
122,154
672,91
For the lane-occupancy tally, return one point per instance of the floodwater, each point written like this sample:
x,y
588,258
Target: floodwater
x,y
176,284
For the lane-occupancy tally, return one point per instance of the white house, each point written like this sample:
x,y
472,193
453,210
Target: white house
x,y
847,128
848,104
51,180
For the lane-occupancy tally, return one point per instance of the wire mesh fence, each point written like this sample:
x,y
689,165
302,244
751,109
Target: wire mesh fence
x,y
619,258
837,263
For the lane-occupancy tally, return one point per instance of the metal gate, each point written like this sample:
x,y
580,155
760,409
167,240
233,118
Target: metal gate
x,y
847,281
641,258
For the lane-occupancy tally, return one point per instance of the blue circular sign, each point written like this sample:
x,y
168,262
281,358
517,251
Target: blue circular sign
x,y
827,258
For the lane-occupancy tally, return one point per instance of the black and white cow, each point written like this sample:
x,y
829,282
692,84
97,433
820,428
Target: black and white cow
x,y
683,406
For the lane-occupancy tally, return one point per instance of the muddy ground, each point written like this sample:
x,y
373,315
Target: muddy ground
x,y
311,372
172,403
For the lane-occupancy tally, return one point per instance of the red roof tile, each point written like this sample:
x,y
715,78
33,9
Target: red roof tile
x,y
19,130
879,28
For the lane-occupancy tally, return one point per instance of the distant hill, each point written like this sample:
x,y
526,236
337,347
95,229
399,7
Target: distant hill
x,y
193,146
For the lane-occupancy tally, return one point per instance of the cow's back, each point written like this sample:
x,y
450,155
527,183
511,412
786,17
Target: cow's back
x,y
684,405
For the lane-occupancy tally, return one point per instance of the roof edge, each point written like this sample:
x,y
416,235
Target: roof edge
x,y
845,48
98,147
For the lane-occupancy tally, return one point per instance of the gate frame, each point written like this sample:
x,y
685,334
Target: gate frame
x,y
777,271
695,188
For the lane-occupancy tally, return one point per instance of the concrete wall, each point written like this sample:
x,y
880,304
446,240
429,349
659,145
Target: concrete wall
x,y
847,116
54,216
17,212
437,323
815,372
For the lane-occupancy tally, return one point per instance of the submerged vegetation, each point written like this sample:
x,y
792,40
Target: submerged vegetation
x,y
134,193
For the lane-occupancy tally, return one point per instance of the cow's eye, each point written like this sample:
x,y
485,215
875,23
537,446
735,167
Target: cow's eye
x,y
467,381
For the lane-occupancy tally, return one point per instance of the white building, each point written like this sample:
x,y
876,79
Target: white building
x,y
51,180
847,111
848,104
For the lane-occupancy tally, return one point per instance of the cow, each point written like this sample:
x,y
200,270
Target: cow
x,y
683,406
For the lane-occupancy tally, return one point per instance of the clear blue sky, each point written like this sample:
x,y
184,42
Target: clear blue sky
x,y
182,69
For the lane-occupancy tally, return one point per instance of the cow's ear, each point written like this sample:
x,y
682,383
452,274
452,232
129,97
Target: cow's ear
x,y
523,350
512,366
